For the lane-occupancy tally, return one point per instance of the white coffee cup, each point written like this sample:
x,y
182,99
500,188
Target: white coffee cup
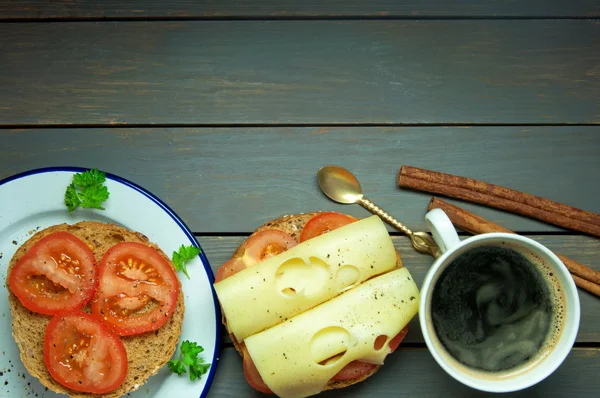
x,y
451,247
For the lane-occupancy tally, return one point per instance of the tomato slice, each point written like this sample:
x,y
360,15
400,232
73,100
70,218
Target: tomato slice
x,y
265,244
353,370
233,266
323,223
58,273
395,342
83,355
259,247
138,289
251,373
356,368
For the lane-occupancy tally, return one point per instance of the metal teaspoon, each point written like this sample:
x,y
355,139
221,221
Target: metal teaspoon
x,y
341,186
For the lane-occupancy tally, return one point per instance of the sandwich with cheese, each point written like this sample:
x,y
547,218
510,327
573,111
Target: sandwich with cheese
x,y
96,308
315,302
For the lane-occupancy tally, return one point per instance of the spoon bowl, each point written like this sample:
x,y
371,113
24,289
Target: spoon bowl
x,y
339,184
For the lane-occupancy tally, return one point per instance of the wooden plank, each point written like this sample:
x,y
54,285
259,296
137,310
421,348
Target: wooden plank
x,y
582,249
414,373
235,179
300,72
311,8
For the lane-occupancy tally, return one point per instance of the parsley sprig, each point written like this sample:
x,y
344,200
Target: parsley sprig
x,y
182,256
87,190
189,358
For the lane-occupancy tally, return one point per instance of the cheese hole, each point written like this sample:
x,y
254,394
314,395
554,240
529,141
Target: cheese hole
x,y
295,277
346,277
329,345
332,360
380,342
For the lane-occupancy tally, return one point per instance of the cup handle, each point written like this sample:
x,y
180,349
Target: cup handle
x,y
442,229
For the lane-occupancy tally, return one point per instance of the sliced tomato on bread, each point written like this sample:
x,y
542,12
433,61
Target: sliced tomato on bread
x,y
395,342
323,223
251,373
82,354
58,273
260,246
138,289
265,244
229,268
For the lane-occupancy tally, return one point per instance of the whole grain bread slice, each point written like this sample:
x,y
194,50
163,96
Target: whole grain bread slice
x,y
147,353
293,225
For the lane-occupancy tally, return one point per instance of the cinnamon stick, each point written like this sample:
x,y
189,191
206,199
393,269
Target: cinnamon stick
x,y
466,220
507,199
584,277
580,270
501,192
587,285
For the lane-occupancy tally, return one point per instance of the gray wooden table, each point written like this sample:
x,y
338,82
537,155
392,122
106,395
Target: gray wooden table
x,y
226,110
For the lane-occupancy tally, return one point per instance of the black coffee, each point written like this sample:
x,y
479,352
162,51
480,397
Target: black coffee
x,y
493,309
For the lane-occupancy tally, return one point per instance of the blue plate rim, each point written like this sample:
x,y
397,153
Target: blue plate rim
x,y
174,217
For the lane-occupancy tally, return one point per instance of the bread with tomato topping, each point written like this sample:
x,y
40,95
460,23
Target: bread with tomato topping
x,y
147,352
299,227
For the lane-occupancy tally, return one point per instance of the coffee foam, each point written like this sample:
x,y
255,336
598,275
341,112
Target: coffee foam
x,y
557,296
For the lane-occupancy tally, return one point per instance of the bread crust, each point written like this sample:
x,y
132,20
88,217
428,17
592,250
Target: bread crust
x,y
147,353
293,225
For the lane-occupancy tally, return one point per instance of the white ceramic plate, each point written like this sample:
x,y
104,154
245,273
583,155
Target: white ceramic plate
x,y
34,200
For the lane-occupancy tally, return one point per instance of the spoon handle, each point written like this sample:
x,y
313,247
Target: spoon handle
x,y
373,208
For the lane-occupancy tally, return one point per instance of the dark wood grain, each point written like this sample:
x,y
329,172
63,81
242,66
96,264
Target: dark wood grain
x,y
300,72
414,373
288,8
235,179
582,249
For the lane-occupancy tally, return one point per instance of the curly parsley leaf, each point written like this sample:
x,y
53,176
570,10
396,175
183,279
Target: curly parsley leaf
x,y
198,369
182,256
89,178
188,357
176,366
87,190
191,351
71,198
92,197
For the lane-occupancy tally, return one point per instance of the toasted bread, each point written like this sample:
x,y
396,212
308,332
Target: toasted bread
x,y
293,225
147,353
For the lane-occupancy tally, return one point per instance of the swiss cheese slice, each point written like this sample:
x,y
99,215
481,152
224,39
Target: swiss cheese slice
x,y
298,357
304,276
